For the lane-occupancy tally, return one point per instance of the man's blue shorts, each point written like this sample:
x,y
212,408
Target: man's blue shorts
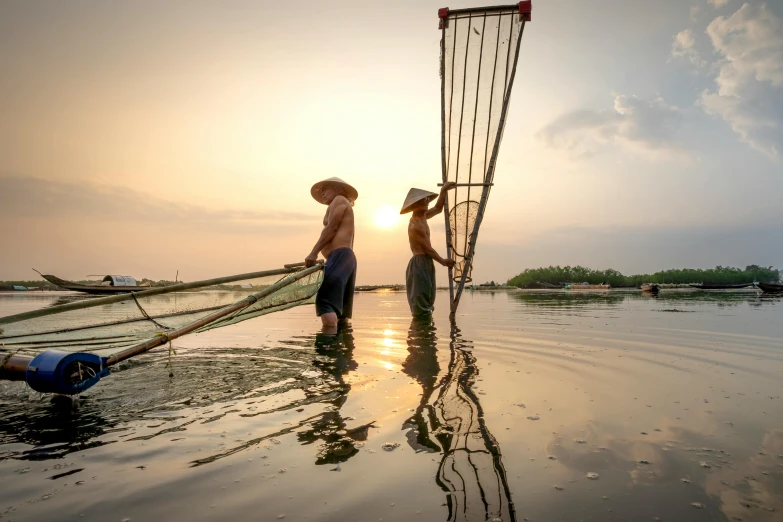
x,y
336,292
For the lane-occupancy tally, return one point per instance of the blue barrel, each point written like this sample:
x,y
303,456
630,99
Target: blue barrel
x,y
53,372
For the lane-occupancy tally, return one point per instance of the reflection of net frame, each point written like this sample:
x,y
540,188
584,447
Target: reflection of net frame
x,y
450,420
454,33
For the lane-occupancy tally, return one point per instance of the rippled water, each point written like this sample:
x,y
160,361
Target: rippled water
x,y
542,406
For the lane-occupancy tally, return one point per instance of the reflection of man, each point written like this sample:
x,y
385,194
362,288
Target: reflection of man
x,y
335,359
422,365
420,276
334,301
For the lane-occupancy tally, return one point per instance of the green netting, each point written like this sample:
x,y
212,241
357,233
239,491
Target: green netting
x,y
110,327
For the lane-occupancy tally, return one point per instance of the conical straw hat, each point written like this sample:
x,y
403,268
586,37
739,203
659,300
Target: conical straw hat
x,y
414,196
348,191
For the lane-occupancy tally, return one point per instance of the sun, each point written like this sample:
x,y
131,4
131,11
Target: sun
x,y
386,217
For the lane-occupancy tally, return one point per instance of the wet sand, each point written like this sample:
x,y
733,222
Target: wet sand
x,y
542,406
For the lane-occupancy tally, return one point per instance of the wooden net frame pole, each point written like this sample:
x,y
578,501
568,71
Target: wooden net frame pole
x,y
443,15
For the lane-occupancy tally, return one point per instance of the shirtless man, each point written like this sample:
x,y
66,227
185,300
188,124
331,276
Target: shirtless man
x,y
334,301
420,276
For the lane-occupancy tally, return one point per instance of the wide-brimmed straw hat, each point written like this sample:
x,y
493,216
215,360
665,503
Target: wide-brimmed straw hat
x,y
348,191
414,196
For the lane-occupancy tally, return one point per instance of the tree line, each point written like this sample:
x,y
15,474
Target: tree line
x,y
557,275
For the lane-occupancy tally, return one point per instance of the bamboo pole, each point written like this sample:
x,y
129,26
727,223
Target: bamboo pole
x,y
512,7
469,184
146,293
14,367
444,170
169,336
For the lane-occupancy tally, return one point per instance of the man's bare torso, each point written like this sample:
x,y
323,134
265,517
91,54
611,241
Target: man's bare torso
x,y
420,225
345,231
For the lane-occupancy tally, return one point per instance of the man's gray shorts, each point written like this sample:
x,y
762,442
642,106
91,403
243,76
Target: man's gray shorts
x,y
420,285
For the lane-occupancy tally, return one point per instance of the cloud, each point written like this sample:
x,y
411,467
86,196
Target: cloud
x,y
22,198
748,91
717,3
684,47
636,124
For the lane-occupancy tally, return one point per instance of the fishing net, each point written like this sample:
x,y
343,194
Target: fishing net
x,y
479,51
462,219
106,326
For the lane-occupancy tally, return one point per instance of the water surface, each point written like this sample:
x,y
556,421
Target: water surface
x,y
540,406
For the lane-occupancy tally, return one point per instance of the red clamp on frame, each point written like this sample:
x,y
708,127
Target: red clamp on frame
x,y
443,14
525,9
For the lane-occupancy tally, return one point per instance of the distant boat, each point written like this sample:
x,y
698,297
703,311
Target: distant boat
x,y
770,288
651,288
542,284
586,286
109,285
721,287
13,288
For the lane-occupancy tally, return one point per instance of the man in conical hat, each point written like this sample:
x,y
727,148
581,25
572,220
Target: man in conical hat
x,y
420,276
334,301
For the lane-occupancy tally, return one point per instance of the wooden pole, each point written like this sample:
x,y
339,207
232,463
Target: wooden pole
x,y
444,170
169,336
469,184
146,293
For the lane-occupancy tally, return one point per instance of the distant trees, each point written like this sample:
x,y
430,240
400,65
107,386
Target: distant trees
x,y
577,274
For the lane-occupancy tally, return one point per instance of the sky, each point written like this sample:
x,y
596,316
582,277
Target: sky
x,y
147,138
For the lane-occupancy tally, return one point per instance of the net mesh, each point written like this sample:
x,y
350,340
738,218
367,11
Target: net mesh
x,y
462,219
110,328
478,58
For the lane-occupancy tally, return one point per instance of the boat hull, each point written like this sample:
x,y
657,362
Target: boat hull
x,y
770,288
93,289
721,287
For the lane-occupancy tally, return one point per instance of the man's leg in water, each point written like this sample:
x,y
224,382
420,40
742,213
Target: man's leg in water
x,y
335,297
329,320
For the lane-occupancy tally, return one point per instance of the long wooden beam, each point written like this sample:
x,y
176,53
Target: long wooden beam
x,y
146,293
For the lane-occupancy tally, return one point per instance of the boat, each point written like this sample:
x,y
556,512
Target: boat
x,y
587,286
650,288
548,286
110,285
721,287
770,288
13,288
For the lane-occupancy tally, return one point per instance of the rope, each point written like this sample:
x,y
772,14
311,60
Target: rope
x,y
7,358
146,316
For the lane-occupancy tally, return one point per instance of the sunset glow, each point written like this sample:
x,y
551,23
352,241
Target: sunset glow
x,y
386,217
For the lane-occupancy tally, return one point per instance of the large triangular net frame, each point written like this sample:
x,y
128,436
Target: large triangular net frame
x,y
479,53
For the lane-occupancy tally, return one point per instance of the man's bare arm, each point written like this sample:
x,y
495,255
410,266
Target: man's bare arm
x,y
336,215
423,241
438,207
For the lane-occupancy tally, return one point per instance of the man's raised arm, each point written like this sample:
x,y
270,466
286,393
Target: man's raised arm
x,y
330,230
438,207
